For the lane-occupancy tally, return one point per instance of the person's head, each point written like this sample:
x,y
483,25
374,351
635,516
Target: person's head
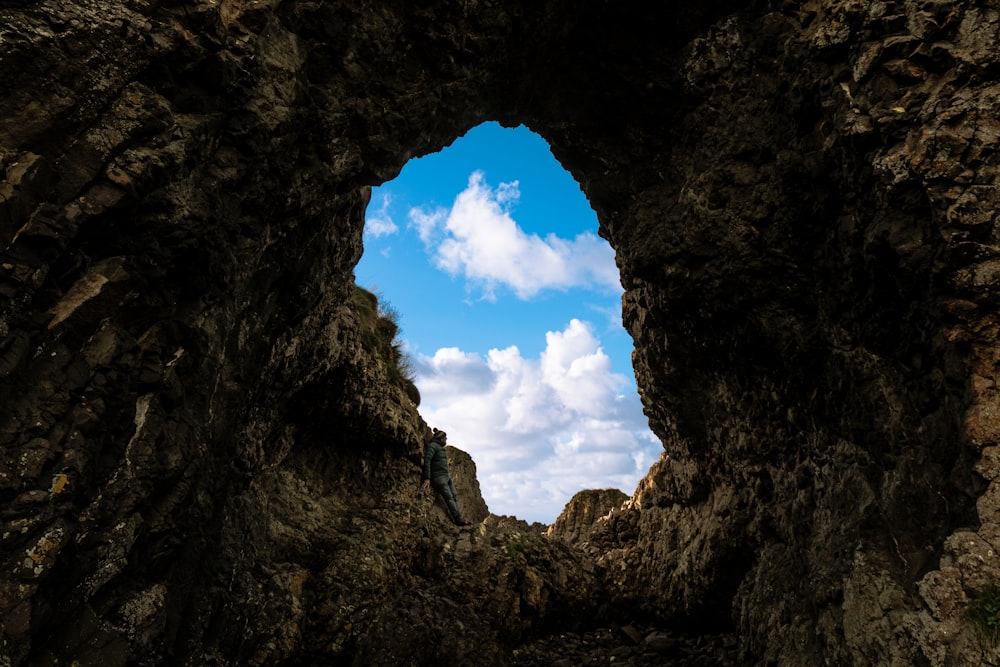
x,y
441,436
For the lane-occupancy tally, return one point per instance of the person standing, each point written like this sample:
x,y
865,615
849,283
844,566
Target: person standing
x,y
436,475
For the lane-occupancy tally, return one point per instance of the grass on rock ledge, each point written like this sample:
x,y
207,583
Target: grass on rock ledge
x,y
984,613
380,336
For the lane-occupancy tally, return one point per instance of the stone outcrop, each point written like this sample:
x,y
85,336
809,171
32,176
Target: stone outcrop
x,y
202,465
463,473
583,511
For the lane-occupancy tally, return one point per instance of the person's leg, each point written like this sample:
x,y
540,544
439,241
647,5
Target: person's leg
x,y
446,488
454,499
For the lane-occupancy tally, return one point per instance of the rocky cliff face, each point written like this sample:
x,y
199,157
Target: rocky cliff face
x,y
583,512
201,464
809,290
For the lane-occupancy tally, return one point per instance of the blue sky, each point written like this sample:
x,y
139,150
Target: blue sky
x,y
510,308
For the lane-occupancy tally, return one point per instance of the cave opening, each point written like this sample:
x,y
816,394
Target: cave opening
x,y
509,308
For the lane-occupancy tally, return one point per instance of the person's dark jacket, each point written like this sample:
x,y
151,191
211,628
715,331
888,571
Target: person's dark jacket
x,y
435,460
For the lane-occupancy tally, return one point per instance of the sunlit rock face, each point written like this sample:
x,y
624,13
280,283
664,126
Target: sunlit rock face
x,y
583,512
202,465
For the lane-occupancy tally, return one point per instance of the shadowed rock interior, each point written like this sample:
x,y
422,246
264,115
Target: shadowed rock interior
x,y
203,465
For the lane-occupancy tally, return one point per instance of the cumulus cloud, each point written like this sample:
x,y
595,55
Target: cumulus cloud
x,y
478,239
539,429
426,222
378,222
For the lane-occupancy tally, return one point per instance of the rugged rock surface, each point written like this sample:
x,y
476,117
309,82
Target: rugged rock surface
x,y
628,644
583,511
201,465
463,473
810,293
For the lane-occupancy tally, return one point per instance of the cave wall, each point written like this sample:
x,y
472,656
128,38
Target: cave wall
x,y
201,462
814,337
198,456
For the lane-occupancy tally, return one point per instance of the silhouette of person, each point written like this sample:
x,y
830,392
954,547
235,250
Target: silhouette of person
x,y
436,475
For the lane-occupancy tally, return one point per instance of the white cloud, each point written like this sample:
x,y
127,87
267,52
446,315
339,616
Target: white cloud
x,y
539,429
451,370
426,222
479,240
379,223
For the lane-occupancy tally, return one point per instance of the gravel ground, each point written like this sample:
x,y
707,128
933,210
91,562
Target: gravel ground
x,y
635,645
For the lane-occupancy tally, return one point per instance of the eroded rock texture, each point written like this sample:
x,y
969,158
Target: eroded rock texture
x,y
583,512
201,464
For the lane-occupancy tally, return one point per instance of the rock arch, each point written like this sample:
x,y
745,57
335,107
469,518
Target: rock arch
x,y
802,199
